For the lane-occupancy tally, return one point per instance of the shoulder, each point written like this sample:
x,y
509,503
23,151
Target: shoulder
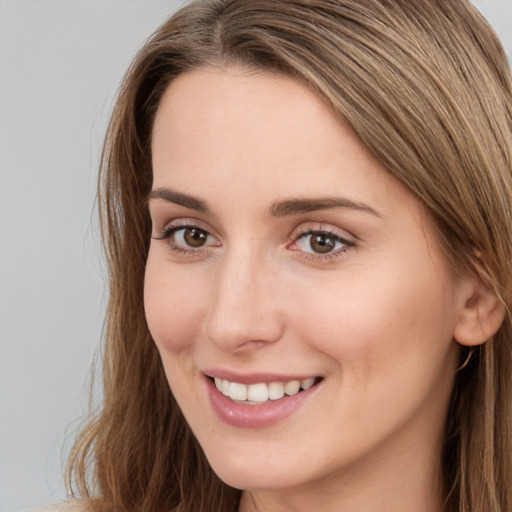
x,y
67,506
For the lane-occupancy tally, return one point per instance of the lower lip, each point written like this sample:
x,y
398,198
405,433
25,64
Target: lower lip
x,y
255,416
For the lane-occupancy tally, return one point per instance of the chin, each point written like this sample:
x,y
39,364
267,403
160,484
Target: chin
x,y
260,467
249,477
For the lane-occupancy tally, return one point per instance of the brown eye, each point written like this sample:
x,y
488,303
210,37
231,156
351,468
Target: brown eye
x,y
188,239
195,237
322,243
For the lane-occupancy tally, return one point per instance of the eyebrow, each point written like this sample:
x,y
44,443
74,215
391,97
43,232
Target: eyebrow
x,y
298,206
278,209
172,196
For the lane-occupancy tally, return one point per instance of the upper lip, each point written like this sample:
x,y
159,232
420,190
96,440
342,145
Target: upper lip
x,y
254,377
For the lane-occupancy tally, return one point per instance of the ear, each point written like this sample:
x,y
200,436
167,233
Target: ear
x,y
481,313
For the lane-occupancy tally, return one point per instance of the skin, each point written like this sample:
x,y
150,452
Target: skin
x,y
374,318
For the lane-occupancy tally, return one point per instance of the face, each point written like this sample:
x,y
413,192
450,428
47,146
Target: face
x,y
288,269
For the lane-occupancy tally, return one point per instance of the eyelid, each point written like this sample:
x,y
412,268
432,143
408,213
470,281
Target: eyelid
x,y
319,227
336,233
168,231
184,222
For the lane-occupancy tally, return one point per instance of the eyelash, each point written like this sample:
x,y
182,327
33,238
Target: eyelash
x,y
169,232
332,255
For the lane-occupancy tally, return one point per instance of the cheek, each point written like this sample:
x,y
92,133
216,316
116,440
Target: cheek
x,y
381,323
174,304
389,343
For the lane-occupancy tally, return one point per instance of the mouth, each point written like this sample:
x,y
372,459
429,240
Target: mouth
x,y
263,392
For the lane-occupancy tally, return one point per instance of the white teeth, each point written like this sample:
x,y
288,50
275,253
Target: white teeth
x,y
255,394
275,390
307,383
292,387
237,391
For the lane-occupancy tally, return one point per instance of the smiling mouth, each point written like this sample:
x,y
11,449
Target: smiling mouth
x,y
261,393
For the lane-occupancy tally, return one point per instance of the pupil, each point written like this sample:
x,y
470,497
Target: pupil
x,y
322,243
195,237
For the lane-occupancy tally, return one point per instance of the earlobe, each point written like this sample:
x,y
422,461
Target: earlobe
x,y
481,313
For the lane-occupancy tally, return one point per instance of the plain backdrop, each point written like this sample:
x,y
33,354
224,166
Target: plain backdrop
x,y
60,65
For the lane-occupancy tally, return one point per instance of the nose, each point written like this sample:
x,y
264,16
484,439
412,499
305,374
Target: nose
x,y
244,312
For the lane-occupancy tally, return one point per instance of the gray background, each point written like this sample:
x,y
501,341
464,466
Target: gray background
x,y
60,64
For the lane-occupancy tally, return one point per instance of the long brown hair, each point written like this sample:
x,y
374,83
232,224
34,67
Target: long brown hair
x,y
426,86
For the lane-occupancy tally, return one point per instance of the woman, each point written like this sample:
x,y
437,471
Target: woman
x,y
307,216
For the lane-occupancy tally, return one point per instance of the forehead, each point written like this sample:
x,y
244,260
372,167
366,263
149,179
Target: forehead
x,y
238,105
256,137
